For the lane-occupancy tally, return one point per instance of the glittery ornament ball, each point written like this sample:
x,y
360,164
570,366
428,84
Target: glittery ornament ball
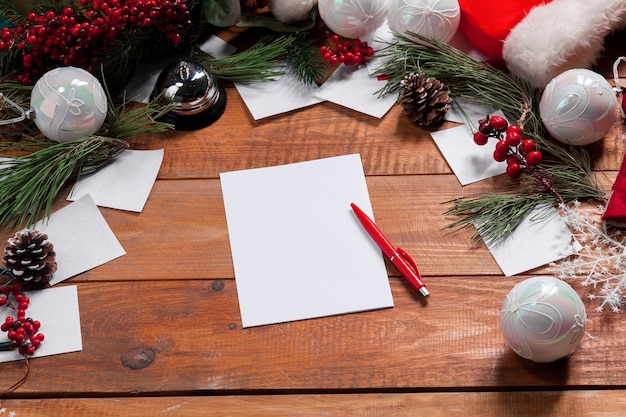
x,y
432,19
69,103
578,107
543,319
353,19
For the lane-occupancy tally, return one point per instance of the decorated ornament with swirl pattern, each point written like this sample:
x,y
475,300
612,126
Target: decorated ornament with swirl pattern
x,y
543,319
432,19
353,19
68,104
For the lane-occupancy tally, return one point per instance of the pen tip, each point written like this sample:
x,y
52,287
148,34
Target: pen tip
x,y
424,291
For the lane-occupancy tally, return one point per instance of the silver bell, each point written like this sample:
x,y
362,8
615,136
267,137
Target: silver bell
x,y
198,100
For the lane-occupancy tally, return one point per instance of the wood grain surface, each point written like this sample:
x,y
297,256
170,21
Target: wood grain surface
x,y
161,327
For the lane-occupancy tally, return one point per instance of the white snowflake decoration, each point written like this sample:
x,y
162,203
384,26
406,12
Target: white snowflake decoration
x,y
601,263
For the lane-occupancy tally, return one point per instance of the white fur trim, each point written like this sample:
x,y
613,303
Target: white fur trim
x,y
561,35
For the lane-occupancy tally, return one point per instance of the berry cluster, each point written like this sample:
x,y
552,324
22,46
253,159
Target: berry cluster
x,y
346,52
519,153
22,331
77,37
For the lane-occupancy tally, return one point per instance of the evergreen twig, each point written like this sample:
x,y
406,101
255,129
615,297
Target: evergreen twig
x,y
305,60
494,216
257,63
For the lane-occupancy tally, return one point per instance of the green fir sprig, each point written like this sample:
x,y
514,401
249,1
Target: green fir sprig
x,y
565,171
32,180
259,62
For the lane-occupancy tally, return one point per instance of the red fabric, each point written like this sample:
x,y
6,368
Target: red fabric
x,y
486,23
616,208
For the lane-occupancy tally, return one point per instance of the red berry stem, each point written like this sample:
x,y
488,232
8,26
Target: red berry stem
x,y
520,154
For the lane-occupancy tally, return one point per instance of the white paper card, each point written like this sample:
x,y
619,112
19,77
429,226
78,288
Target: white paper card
x,y
281,95
81,237
541,238
469,162
353,87
123,184
298,250
57,310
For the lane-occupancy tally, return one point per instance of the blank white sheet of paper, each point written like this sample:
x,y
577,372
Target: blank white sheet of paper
x,y
298,250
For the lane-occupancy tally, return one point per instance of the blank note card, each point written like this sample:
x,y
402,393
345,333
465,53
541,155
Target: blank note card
x,y
298,250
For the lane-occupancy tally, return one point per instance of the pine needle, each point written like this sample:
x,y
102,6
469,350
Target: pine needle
x,y
565,171
31,182
257,63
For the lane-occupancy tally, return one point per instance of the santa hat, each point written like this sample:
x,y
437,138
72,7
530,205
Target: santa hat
x,y
539,39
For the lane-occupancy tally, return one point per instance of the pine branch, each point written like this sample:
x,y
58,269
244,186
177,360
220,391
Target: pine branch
x,y
306,61
32,181
566,170
258,63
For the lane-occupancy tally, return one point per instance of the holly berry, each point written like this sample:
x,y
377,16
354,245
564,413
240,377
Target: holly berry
x,y
347,52
520,154
534,158
76,38
480,139
22,332
499,123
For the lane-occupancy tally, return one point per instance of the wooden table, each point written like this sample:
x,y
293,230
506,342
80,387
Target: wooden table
x,y
161,327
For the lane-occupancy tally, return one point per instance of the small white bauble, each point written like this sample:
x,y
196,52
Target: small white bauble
x,y
432,19
290,11
578,107
543,319
353,19
69,103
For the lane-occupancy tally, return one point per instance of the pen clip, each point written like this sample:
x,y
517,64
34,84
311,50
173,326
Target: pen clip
x,y
422,290
410,260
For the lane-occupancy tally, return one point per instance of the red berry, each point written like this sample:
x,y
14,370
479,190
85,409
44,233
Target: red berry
x,y
514,128
499,156
528,145
513,138
534,158
484,127
502,147
499,123
512,170
480,139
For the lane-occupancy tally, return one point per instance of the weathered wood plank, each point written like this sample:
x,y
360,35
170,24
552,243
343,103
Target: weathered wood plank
x,y
186,336
484,404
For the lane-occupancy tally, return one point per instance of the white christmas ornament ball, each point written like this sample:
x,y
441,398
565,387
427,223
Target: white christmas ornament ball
x,y
432,19
578,107
290,11
69,103
353,19
543,319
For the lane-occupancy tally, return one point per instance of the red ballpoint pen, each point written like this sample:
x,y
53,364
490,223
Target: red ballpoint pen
x,y
398,257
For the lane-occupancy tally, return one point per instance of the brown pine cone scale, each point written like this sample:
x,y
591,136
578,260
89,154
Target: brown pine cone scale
x,y
30,257
425,100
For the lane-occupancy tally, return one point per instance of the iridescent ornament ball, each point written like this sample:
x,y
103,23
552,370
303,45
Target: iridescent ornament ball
x,y
432,19
578,107
543,319
353,19
69,103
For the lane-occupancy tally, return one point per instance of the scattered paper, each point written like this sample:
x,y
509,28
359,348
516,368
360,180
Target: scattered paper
x,y
469,162
298,250
81,237
541,238
57,310
282,94
353,87
124,184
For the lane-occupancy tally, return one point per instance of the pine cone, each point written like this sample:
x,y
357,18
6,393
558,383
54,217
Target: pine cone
x,y
30,257
424,100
